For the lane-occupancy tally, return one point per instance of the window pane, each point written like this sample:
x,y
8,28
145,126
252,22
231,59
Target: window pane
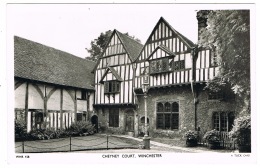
x,y
159,107
175,121
79,116
167,121
167,107
215,95
178,65
106,85
118,86
160,121
175,107
165,64
153,67
159,65
216,121
223,121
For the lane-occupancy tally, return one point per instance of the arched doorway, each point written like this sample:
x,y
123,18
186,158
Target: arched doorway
x,y
130,121
94,121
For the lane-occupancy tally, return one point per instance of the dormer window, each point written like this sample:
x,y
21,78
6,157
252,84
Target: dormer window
x,y
83,95
111,87
160,65
215,95
178,65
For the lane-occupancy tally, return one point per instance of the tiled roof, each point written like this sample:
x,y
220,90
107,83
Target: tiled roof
x,y
38,62
133,47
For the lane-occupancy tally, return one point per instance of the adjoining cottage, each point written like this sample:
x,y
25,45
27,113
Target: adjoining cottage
x,y
52,88
56,88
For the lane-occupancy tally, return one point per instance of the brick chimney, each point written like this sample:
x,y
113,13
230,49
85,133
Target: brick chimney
x,y
202,17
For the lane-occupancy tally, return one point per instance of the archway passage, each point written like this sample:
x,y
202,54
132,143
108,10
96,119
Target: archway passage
x,y
94,121
130,121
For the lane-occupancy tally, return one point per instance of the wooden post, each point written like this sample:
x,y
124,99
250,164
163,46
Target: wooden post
x,y
26,103
107,142
75,107
70,143
45,107
61,107
23,146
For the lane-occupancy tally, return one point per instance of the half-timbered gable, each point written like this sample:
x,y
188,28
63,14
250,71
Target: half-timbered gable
x,y
178,71
114,72
167,55
52,88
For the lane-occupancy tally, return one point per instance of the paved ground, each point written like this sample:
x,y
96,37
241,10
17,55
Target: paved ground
x,y
161,147
116,144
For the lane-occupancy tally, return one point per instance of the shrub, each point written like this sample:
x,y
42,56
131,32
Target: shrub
x,y
241,131
212,136
191,135
20,130
81,128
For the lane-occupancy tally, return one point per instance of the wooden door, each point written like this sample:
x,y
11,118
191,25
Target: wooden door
x,y
130,121
94,121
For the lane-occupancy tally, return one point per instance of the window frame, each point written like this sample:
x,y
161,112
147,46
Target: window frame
x,y
180,67
222,120
167,119
112,86
219,95
160,65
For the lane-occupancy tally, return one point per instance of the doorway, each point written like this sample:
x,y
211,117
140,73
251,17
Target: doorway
x,y
130,121
94,121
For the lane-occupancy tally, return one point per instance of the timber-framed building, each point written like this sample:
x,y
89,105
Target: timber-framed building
x,y
59,88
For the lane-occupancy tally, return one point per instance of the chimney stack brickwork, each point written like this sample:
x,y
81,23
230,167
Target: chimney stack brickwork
x,y
202,17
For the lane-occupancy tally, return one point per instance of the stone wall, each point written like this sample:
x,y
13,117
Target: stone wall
x,y
184,95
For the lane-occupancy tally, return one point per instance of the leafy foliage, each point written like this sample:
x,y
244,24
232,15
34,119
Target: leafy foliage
x,y
98,45
82,128
212,136
20,130
79,128
228,35
241,130
191,135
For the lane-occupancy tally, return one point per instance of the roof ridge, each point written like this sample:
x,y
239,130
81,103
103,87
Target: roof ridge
x,y
128,36
52,66
38,43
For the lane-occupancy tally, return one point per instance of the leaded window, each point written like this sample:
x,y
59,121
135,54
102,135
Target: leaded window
x,y
159,65
111,87
223,121
215,95
79,117
179,65
167,115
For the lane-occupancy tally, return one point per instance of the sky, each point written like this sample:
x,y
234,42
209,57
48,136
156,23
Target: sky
x,y
72,27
